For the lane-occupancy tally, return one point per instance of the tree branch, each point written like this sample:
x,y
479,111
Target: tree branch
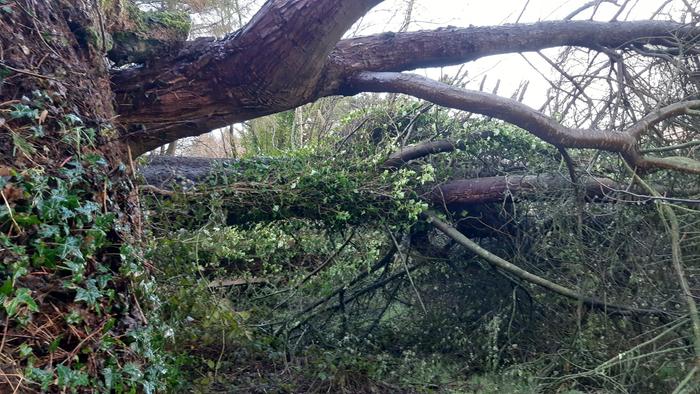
x,y
529,277
280,61
494,106
516,113
451,45
413,152
427,148
496,189
271,65
661,114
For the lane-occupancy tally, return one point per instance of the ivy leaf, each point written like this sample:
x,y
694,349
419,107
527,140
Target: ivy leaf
x,y
23,111
37,131
49,231
133,371
77,268
68,377
25,350
6,288
90,294
95,159
73,317
103,280
43,377
71,248
73,170
18,270
73,119
45,256
55,343
109,377
105,221
88,209
22,298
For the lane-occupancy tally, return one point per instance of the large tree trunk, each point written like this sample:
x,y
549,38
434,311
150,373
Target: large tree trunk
x,y
70,221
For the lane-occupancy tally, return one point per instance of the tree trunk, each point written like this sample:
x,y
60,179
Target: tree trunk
x,y
70,220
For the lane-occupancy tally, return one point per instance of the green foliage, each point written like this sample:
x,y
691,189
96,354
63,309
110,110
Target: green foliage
x,y
61,230
68,278
280,273
337,191
179,21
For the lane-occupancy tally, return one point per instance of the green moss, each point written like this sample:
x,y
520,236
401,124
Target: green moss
x,y
94,37
145,21
178,21
149,33
135,14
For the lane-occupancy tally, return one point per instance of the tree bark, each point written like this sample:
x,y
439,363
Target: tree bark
x,y
257,71
69,215
273,64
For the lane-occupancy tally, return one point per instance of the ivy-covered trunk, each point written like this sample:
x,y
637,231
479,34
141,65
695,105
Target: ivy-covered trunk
x,y
73,312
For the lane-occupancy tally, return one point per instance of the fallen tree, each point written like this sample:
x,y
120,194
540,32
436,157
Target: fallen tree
x,y
76,294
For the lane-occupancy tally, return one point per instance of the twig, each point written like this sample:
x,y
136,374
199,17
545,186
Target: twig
x,y
586,6
4,333
236,282
405,266
686,380
673,147
330,258
9,210
530,277
381,263
26,72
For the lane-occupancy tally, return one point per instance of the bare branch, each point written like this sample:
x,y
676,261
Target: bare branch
x,y
450,46
532,278
661,114
491,105
584,7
